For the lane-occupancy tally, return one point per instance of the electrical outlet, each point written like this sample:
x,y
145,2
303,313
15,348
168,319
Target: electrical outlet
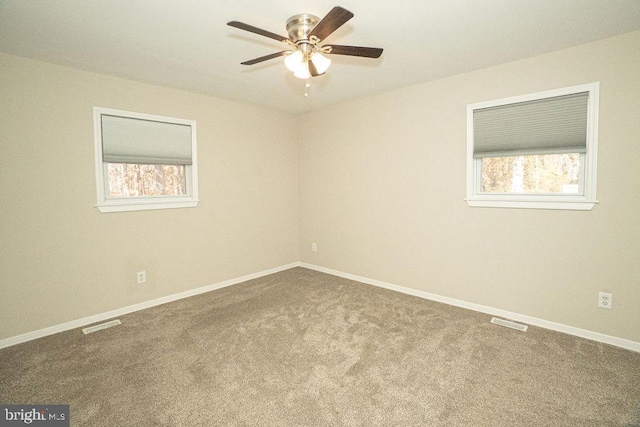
x,y
314,247
142,276
605,300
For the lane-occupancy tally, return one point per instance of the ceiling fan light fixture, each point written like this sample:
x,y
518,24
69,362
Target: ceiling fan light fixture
x,y
321,62
305,56
294,61
303,71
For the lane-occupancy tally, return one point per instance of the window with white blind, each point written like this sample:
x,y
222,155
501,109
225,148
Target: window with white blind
x,y
144,161
534,151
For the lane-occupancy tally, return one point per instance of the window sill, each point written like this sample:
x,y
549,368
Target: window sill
x,y
119,206
532,204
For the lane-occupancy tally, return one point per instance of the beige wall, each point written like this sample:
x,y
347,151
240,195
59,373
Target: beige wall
x,y
61,259
382,189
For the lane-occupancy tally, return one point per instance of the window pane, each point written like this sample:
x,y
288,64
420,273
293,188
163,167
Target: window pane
x,y
537,174
136,180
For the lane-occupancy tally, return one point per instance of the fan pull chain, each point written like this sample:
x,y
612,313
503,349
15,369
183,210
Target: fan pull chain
x,y
306,89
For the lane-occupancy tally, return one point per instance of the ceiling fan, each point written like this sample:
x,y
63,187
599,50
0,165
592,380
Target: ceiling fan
x,y
305,57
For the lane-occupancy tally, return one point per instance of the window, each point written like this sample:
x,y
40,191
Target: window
x,y
144,161
534,151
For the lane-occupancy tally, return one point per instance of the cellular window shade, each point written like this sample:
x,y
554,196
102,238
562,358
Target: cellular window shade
x,y
543,126
131,140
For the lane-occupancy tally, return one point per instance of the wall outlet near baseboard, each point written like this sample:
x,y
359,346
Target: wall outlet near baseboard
x,y
314,247
605,300
141,276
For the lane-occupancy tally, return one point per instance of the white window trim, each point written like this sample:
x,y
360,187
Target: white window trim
x,y
588,162
107,204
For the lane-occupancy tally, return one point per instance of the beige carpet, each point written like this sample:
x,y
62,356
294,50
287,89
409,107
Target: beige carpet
x,y
305,348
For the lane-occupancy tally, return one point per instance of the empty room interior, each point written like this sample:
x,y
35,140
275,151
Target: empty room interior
x,y
360,231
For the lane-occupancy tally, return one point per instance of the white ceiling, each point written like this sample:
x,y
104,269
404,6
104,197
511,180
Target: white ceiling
x,y
187,44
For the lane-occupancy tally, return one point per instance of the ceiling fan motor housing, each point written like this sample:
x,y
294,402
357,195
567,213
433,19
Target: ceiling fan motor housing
x,y
299,26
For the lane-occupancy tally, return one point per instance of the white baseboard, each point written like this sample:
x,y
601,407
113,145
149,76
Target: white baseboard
x,y
595,336
8,342
582,333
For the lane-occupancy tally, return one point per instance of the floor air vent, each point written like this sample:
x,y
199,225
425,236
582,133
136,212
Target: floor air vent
x,y
509,324
101,326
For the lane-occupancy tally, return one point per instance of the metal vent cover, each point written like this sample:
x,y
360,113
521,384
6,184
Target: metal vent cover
x,y
509,324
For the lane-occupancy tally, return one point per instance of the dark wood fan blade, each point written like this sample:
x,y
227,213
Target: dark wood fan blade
x,y
256,30
334,20
264,58
313,70
367,52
